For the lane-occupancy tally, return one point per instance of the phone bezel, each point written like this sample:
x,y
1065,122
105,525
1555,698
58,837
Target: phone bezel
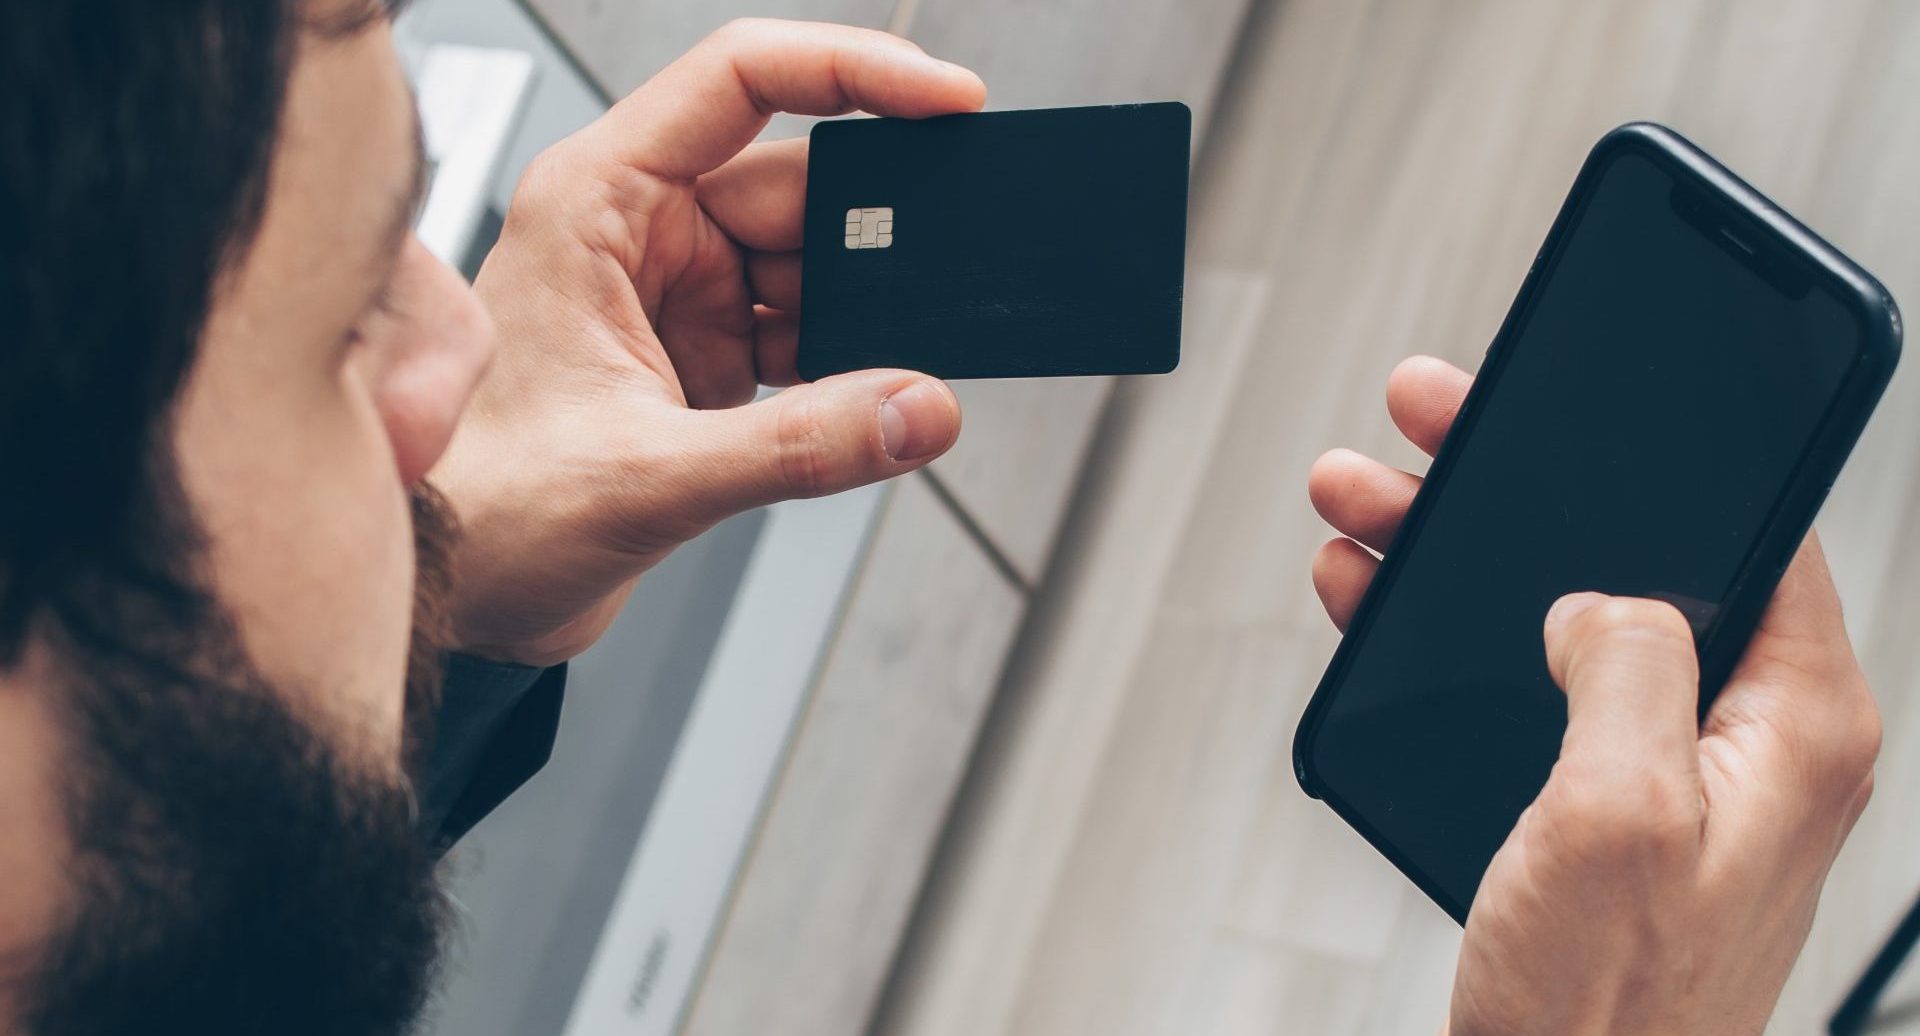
x,y
1793,511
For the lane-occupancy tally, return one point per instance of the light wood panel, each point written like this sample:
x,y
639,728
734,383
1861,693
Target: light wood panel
x,y
1017,464
1008,845
1019,456
1132,855
534,882
1065,52
621,43
828,885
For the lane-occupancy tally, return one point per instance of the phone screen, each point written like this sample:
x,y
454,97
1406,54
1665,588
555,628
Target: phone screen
x,y
1648,411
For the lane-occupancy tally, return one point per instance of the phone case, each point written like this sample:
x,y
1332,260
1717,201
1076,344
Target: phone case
x,y
1723,643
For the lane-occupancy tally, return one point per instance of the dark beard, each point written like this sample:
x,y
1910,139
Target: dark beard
x,y
234,870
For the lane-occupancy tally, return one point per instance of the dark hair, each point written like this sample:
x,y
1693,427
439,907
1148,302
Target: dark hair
x,y
135,142
136,138
232,869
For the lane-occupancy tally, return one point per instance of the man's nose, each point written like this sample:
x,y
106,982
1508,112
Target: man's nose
x,y
445,346
470,333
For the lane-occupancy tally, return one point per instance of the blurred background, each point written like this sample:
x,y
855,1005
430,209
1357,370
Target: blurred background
x,y
1003,748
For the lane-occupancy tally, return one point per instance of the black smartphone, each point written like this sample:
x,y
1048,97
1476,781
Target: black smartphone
x,y
1661,414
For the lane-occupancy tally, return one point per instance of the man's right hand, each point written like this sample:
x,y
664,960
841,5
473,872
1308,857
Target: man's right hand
x,y
646,281
1665,879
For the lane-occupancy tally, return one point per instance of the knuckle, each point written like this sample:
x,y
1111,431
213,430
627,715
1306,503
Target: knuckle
x,y
1649,636
1855,746
570,188
805,458
741,29
539,187
1861,797
1647,818
1832,748
1638,617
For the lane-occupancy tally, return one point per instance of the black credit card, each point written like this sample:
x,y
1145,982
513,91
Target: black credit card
x,y
1009,244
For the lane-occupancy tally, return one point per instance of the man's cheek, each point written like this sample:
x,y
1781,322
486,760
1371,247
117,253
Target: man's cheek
x,y
306,532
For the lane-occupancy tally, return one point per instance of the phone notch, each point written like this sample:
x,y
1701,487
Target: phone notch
x,y
1748,241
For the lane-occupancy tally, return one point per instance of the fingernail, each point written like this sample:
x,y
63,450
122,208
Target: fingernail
x,y
915,422
1567,608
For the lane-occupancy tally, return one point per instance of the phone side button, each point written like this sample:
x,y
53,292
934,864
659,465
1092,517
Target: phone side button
x,y
1300,776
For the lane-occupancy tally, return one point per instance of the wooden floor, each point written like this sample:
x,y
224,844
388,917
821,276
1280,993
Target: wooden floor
x,y
1131,854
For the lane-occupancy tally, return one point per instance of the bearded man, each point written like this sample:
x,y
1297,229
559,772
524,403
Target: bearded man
x,y
253,682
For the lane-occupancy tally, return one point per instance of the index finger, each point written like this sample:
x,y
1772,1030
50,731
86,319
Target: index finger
x,y
1424,394
708,105
1805,610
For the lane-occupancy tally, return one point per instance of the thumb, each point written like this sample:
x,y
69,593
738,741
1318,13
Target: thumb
x,y
1632,682
810,440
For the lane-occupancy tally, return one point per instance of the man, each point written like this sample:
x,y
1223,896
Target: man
x,y
228,370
